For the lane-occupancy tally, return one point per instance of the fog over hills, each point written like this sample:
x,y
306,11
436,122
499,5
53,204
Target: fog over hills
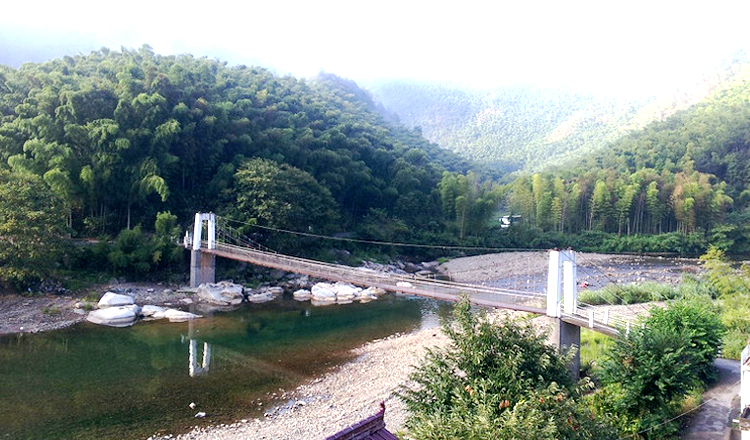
x,y
628,50
524,126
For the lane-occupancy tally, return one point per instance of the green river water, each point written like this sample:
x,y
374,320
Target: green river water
x,y
94,382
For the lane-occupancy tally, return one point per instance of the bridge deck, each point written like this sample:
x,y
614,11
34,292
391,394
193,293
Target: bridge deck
x,y
443,290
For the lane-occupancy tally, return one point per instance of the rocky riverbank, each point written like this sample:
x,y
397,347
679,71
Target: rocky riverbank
x,y
335,401
32,314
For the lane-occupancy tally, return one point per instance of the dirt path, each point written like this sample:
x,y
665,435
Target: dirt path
x,y
713,421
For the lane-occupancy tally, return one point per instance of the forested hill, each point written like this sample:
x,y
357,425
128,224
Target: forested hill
x,y
525,127
687,174
120,136
712,136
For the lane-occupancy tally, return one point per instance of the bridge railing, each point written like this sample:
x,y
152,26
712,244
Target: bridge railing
x,y
603,316
530,301
535,302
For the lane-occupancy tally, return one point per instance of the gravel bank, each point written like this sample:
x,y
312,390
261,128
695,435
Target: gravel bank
x,y
342,397
528,270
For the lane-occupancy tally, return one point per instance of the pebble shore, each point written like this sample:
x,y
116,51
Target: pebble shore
x,y
341,398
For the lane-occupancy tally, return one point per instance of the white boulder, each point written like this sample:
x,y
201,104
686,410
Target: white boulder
x,y
111,299
346,291
375,292
264,294
369,294
260,297
174,315
148,311
224,293
118,316
302,295
323,292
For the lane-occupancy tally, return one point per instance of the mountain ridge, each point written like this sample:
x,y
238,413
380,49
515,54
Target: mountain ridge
x,y
526,127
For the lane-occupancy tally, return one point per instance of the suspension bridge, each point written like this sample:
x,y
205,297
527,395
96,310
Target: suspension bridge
x,y
559,301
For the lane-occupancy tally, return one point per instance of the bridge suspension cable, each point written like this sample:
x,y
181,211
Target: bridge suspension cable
x,y
382,243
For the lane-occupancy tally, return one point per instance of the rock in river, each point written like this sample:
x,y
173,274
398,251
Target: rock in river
x,y
223,293
302,295
111,299
119,316
323,292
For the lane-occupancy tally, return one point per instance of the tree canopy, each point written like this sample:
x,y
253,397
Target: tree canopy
x,y
120,136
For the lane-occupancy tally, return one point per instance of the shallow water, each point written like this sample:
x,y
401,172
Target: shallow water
x,y
93,382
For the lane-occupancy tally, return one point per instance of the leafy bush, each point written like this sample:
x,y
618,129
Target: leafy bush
x,y
32,229
646,374
696,320
497,380
732,287
649,372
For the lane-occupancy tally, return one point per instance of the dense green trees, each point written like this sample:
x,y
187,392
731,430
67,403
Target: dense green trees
x,y
683,175
32,229
642,202
467,204
119,136
500,380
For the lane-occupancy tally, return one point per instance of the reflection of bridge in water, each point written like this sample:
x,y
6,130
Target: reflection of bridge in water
x,y
559,301
195,368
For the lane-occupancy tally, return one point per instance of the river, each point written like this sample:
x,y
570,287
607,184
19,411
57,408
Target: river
x,y
92,382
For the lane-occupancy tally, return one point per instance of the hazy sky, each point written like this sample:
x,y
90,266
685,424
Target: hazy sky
x,y
607,46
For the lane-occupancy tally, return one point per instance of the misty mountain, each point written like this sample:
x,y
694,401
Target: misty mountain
x,y
525,127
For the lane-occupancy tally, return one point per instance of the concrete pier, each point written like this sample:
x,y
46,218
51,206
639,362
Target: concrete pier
x,y
564,336
562,285
202,268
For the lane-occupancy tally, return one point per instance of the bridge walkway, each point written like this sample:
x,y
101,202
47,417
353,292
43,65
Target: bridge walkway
x,y
532,302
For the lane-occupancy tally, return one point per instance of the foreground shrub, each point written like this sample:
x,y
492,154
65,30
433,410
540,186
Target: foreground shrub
x,y
732,288
649,372
696,320
497,380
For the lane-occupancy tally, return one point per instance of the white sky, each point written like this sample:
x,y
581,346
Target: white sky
x,y
623,47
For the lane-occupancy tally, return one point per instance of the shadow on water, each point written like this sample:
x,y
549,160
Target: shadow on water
x,y
90,382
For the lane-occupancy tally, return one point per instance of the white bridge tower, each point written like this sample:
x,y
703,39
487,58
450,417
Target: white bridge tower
x,y
203,264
